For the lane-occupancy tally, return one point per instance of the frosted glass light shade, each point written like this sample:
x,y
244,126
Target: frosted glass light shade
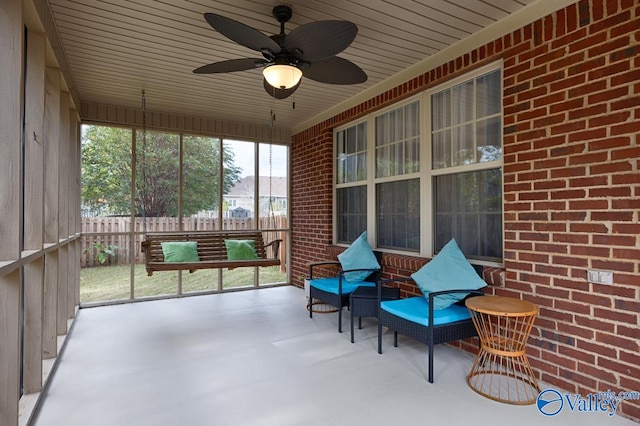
x,y
282,76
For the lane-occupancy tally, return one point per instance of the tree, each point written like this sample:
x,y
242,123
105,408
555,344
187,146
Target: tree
x,y
106,172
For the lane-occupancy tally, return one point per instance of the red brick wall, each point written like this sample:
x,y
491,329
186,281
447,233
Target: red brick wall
x,y
571,188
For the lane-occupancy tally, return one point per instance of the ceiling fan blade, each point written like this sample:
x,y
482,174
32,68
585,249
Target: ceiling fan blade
x,y
320,40
335,71
231,65
279,93
241,33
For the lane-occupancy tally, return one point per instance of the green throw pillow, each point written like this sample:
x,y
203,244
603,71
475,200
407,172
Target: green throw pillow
x,y
180,251
241,249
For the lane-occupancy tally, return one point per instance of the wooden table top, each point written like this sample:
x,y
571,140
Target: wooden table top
x,y
500,305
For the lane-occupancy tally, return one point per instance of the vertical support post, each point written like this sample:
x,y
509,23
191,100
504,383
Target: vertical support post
x,y
11,85
33,210
63,208
51,183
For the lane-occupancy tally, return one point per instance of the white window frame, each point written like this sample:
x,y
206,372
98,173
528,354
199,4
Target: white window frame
x,y
365,182
430,172
426,173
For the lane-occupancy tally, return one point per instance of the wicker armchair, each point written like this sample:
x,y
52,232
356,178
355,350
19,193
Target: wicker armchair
x,y
433,328
336,290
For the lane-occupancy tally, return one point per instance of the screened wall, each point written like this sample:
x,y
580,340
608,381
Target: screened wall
x,y
140,181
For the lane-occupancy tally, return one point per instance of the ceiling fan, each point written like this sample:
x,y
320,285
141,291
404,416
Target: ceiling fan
x,y
309,50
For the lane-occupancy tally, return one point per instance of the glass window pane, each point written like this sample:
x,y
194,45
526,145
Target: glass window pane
x,y
382,161
350,165
351,156
398,159
395,130
398,215
468,207
382,133
412,120
491,228
463,145
474,100
463,102
351,212
441,110
341,168
361,161
361,137
441,149
489,139
351,140
488,94
396,122
412,157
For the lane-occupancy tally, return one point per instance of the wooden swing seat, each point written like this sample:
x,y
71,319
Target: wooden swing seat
x,y
211,250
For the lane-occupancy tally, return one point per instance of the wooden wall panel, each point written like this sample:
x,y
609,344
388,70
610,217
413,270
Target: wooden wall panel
x,y
63,166
10,114
11,48
62,294
34,211
33,292
122,116
10,347
51,153
73,286
34,142
49,306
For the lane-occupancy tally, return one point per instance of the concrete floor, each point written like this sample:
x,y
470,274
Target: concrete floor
x,y
255,358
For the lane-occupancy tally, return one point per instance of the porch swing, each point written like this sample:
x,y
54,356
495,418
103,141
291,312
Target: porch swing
x,y
193,250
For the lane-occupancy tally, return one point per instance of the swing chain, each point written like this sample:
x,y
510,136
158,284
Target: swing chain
x,y
272,218
143,198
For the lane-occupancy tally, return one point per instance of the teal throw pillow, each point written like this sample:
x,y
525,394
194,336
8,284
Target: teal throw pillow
x,y
448,270
359,255
241,249
180,251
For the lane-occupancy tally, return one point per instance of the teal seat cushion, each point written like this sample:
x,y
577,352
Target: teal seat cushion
x,y
330,285
359,255
241,249
180,251
448,270
416,309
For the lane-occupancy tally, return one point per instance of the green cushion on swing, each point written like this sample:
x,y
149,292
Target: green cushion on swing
x,y
241,249
180,251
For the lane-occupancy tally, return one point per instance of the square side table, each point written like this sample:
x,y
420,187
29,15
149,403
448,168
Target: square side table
x,y
363,302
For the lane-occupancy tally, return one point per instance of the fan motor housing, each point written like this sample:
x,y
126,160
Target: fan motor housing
x,y
282,13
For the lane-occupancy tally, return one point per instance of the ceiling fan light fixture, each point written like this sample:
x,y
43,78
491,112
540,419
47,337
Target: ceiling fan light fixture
x,y
282,76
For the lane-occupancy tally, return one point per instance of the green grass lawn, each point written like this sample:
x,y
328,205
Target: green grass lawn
x,y
106,283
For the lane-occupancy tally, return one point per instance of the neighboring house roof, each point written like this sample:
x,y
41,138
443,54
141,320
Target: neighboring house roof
x,y
245,188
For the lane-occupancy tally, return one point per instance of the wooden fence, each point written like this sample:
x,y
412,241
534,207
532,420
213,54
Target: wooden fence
x,y
100,234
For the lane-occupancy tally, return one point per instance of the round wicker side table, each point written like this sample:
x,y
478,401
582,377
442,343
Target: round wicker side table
x,y
501,370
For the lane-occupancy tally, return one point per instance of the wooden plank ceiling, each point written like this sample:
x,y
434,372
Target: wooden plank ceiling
x,y
117,48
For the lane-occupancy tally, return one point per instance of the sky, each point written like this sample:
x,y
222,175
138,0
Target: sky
x,y
244,159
